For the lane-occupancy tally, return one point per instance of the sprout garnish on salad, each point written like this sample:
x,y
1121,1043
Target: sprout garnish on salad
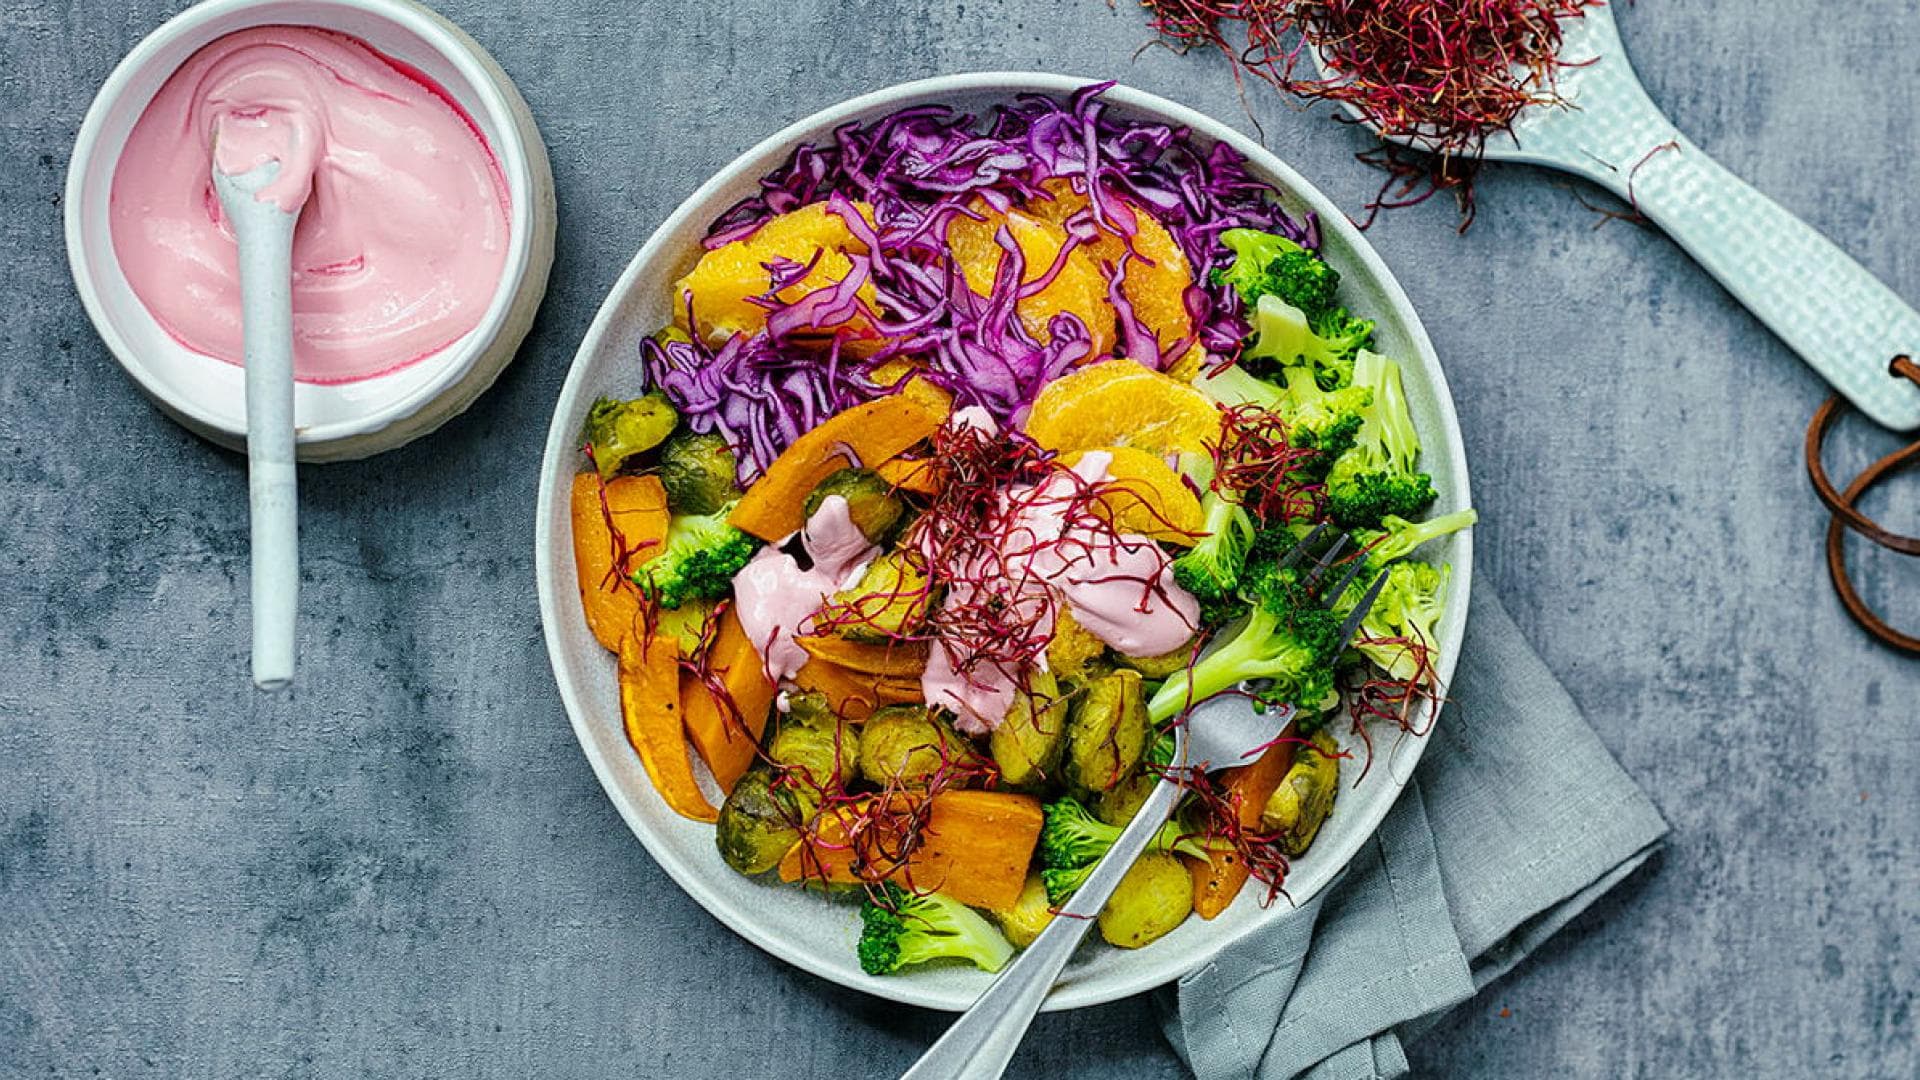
x,y
967,437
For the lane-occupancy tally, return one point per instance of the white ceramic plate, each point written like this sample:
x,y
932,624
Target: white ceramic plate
x,y
816,933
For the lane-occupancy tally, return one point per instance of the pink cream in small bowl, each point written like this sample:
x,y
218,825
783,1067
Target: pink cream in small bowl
x,y
403,236
423,249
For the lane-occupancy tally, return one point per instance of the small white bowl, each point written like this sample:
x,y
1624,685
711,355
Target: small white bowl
x,y
802,927
350,420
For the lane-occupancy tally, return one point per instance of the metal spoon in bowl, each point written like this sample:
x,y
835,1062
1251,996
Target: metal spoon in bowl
x,y
1841,319
264,231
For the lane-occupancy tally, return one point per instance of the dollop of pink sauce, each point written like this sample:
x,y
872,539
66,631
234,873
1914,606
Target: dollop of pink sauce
x,y
403,236
1120,588
776,598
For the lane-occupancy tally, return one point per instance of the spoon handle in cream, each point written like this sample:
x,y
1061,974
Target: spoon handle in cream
x,y
265,235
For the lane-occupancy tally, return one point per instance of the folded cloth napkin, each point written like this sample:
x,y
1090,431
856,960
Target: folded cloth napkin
x,y
1516,820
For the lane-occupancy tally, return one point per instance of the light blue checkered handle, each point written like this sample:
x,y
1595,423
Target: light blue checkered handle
x,y
1841,319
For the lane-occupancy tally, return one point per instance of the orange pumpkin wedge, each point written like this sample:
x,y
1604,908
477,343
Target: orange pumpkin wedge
x,y
1218,877
903,659
650,709
975,848
855,694
774,507
921,476
632,519
727,744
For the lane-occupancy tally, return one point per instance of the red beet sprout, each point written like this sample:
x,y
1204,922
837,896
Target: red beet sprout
x,y
1255,465
1446,75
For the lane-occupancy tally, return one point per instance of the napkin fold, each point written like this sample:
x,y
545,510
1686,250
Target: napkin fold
x,y
1517,819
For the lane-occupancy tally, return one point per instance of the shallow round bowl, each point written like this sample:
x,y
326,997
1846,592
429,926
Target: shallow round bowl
x,y
818,933
332,422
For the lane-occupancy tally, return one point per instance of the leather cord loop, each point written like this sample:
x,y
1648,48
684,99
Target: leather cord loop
x,y
1846,514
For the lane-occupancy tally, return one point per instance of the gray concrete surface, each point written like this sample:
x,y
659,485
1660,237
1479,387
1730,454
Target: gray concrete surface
x,y
405,868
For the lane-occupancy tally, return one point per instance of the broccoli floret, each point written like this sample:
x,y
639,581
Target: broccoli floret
x,y
904,929
1063,881
1397,537
1072,836
1284,334
1317,418
1267,264
1346,335
1378,476
1288,640
697,561
1210,569
1407,610
1254,254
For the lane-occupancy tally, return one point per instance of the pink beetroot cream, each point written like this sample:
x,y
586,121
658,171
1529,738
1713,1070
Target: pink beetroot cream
x,y
403,237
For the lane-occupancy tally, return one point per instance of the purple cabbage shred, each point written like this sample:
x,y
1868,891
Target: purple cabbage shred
x,y
917,169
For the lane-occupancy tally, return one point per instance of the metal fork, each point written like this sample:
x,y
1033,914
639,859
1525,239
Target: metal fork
x,y
1218,733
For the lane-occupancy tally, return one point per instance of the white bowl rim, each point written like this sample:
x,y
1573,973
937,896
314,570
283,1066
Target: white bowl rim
x,y
455,361
561,446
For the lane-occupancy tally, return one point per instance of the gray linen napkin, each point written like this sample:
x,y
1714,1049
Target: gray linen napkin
x,y
1517,820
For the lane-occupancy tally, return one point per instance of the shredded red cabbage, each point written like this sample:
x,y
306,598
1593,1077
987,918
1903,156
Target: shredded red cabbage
x,y
918,168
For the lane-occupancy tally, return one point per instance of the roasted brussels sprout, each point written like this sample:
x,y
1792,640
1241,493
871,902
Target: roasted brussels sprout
x,y
617,431
1028,742
1154,897
1159,667
812,709
906,744
1073,650
687,623
891,599
1300,805
1108,732
1028,916
871,502
1118,804
698,473
822,749
758,823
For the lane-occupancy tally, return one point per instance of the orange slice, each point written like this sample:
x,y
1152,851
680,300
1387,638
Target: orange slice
x,y
727,280
1143,495
1157,292
1120,403
1078,289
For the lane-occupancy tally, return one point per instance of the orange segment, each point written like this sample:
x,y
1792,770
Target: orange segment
x,y
1142,494
1158,291
724,284
1120,403
1078,289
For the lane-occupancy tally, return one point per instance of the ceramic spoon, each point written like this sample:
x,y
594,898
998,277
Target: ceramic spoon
x,y
1840,318
265,235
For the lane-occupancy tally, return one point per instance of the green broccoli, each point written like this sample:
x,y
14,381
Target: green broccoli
x,y
1407,610
1267,264
1378,477
1288,640
1071,836
1397,537
903,929
697,561
1317,418
1284,334
1210,569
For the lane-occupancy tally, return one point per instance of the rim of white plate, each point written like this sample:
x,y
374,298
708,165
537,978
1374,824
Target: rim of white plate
x,y
625,785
